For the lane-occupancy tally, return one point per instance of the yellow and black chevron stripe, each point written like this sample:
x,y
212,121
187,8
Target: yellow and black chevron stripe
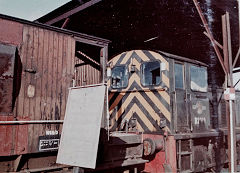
x,y
147,105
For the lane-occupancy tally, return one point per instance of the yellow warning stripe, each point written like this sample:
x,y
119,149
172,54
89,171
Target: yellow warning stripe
x,y
137,64
139,127
142,55
141,115
148,107
155,100
132,79
165,96
158,56
165,79
115,59
124,105
127,56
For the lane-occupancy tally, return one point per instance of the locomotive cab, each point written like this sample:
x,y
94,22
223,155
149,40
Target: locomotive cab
x,y
159,92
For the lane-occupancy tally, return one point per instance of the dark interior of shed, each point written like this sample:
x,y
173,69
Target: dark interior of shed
x,y
171,26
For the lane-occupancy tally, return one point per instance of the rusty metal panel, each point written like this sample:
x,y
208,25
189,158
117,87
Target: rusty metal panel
x,y
10,32
13,138
6,132
7,58
21,137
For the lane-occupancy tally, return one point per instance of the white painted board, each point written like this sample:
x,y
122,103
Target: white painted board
x,y
81,127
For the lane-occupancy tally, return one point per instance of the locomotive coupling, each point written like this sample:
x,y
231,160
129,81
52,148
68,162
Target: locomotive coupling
x,y
151,146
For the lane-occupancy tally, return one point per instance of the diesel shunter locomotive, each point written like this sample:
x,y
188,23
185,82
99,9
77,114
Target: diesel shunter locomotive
x,y
166,96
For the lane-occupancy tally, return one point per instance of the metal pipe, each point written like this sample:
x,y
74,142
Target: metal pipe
x,y
232,138
32,122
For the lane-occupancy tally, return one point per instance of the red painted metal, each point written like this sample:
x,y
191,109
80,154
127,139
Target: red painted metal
x,y
165,157
21,137
13,138
6,136
12,32
171,152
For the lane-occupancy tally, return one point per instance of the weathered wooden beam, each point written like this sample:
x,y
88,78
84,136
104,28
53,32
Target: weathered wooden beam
x,y
88,57
229,49
216,42
65,23
204,21
225,43
16,162
236,58
73,11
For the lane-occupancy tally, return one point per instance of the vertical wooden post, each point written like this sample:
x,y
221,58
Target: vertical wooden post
x,y
103,62
231,131
229,49
225,42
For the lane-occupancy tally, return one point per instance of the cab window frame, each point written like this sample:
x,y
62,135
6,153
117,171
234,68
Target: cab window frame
x,y
141,73
111,78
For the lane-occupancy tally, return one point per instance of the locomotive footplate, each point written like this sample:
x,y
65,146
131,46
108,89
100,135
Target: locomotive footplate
x,y
122,149
212,133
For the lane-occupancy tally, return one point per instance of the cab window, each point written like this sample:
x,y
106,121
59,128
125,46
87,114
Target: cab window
x,y
198,78
119,77
179,75
150,73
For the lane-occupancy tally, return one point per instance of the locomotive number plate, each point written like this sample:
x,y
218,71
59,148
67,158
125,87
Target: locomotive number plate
x,y
47,143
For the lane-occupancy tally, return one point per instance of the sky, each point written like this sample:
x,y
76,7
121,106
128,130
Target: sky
x,y
29,9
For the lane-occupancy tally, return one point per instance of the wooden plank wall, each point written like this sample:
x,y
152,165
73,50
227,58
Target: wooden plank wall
x,y
86,74
43,94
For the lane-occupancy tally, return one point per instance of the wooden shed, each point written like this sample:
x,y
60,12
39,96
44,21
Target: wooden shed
x,y
38,63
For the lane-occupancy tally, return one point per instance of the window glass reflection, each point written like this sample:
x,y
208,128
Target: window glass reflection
x,y
119,77
150,73
198,78
179,76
